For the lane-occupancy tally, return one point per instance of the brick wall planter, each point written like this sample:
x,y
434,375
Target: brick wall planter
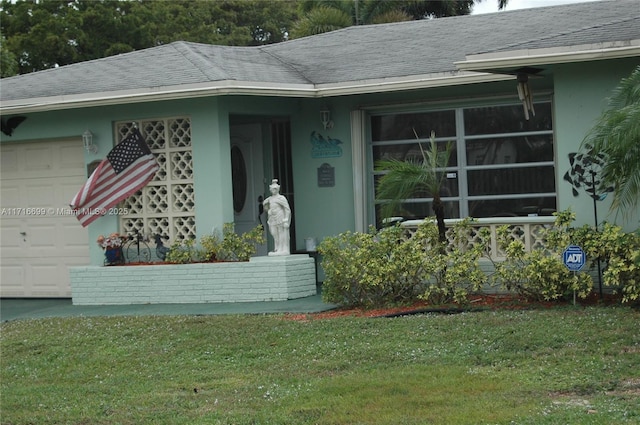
x,y
260,279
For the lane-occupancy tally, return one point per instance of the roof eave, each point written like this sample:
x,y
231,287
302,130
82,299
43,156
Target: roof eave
x,y
494,62
414,82
185,91
232,87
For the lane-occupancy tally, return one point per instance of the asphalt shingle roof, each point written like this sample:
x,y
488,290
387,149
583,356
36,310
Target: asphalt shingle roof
x,y
432,46
373,52
168,65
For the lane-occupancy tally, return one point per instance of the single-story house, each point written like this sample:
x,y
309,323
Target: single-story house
x,y
315,113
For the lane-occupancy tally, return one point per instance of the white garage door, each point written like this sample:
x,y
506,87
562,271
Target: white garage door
x,y
39,240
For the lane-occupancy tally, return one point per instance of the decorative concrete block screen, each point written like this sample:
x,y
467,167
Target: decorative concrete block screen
x,y
529,230
166,206
260,279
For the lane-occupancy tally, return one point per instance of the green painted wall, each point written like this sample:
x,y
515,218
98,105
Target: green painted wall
x,y
326,211
580,95
322,211
209,126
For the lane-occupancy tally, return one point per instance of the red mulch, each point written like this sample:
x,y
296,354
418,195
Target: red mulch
x,y
477,302
164,263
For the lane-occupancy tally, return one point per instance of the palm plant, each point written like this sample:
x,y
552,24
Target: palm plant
x,y
319,16
403,179
617,136
322,18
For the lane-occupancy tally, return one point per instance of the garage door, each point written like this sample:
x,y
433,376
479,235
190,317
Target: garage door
x,y
39,239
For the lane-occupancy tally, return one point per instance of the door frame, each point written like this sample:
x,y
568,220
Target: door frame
x,y
276,161
247,167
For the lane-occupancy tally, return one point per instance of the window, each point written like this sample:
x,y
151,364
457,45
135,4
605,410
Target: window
x,y
166,205
501,164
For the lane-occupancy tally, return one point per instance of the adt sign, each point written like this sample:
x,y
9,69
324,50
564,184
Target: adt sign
x,y
574,258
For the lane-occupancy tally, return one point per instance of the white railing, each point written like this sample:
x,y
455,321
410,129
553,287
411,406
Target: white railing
x,y
527,229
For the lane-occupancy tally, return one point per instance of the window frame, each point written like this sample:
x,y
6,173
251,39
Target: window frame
x,y
462,168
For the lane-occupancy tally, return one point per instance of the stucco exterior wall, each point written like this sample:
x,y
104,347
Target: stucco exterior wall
x,y
580,96
322,211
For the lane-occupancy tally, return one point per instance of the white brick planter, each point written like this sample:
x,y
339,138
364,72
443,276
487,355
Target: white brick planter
x,y
260,279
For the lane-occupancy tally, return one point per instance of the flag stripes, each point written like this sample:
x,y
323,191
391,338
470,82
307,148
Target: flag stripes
x,y
106,187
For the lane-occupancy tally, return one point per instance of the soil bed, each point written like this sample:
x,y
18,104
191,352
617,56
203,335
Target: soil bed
x,y
477,303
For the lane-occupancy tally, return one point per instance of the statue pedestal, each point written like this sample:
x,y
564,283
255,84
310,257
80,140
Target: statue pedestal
x,y
295,274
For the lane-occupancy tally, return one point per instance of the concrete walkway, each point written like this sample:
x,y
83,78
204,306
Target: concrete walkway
x,y
25,308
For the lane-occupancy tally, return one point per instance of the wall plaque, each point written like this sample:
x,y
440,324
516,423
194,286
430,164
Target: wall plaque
x,y
326,176
324,147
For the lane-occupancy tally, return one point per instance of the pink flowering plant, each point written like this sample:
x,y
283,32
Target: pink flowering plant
x,y
114,240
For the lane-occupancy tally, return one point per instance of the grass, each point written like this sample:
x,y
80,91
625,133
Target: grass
x,y
555,366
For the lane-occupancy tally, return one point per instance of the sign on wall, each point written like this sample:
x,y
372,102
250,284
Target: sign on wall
x,y
326,176
322,147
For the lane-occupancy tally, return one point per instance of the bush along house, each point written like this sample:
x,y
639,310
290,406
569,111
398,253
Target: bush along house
x,y
515,93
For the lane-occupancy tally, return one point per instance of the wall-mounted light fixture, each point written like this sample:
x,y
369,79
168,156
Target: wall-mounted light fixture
x,y
87,142
325,118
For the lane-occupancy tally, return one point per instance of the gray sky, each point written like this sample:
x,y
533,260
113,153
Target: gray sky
x,y
489,6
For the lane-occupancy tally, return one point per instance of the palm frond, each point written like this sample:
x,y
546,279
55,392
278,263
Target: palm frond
x,y
404,179
616,135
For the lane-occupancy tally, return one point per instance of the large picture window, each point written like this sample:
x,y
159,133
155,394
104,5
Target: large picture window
x,y
501,164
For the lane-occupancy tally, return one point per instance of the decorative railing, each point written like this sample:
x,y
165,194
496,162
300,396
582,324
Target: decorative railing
x,y
529,230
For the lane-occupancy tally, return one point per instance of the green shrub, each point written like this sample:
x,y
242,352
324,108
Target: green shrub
x,y
182,252
226,247
231,246
386,267
623,267
618,253
234,247
370,269
541,273
453,271
537,275
210,246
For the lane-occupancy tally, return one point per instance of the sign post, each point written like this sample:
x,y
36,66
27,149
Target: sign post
x,y
574,259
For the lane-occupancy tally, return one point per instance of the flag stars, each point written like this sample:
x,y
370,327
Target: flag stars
x,y
127,152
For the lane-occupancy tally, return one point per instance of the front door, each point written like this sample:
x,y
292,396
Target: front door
x,y
248,179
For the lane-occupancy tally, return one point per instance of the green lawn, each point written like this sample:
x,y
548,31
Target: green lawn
x,y
557,366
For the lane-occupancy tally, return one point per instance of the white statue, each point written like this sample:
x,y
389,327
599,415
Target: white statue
x,y
279,219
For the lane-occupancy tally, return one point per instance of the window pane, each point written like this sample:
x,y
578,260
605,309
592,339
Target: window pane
x,y
508,150
511,181
402,126
502,160
506,119
448,188
512,207
411,151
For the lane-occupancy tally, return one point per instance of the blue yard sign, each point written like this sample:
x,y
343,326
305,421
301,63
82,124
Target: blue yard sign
x,y
574,258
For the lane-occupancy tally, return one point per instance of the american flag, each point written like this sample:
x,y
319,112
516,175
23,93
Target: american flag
x,y
128,167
